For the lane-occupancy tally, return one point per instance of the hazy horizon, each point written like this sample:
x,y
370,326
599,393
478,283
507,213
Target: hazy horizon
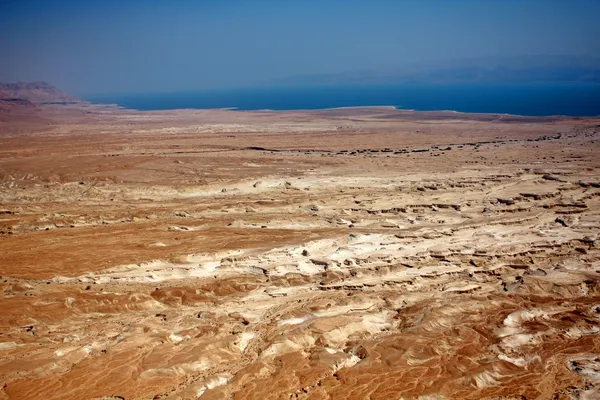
x,y
156,46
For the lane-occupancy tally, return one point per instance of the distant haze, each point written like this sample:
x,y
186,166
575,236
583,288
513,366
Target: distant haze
x,y
152,46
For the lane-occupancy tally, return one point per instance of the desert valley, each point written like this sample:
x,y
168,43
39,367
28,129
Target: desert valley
x,y
352,253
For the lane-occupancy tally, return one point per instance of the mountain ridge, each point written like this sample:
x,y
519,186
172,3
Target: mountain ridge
x,y
478,70
37,92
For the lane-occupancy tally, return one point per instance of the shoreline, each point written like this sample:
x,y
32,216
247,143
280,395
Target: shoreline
x,y
115,106
527,100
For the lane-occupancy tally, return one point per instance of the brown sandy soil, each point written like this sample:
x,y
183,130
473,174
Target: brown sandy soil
x,y
337,254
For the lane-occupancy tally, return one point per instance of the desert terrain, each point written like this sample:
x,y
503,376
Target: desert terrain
x,y
361,253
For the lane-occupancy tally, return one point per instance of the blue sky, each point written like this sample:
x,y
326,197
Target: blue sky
x,y
89,46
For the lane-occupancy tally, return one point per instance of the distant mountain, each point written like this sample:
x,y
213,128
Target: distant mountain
x,y
478,70
8,104
35,92
21,105
12,110
11,104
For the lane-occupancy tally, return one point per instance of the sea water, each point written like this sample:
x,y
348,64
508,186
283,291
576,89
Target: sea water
x,y
535,99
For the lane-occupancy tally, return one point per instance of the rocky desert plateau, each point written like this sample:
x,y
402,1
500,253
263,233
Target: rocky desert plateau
x,y
353,253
